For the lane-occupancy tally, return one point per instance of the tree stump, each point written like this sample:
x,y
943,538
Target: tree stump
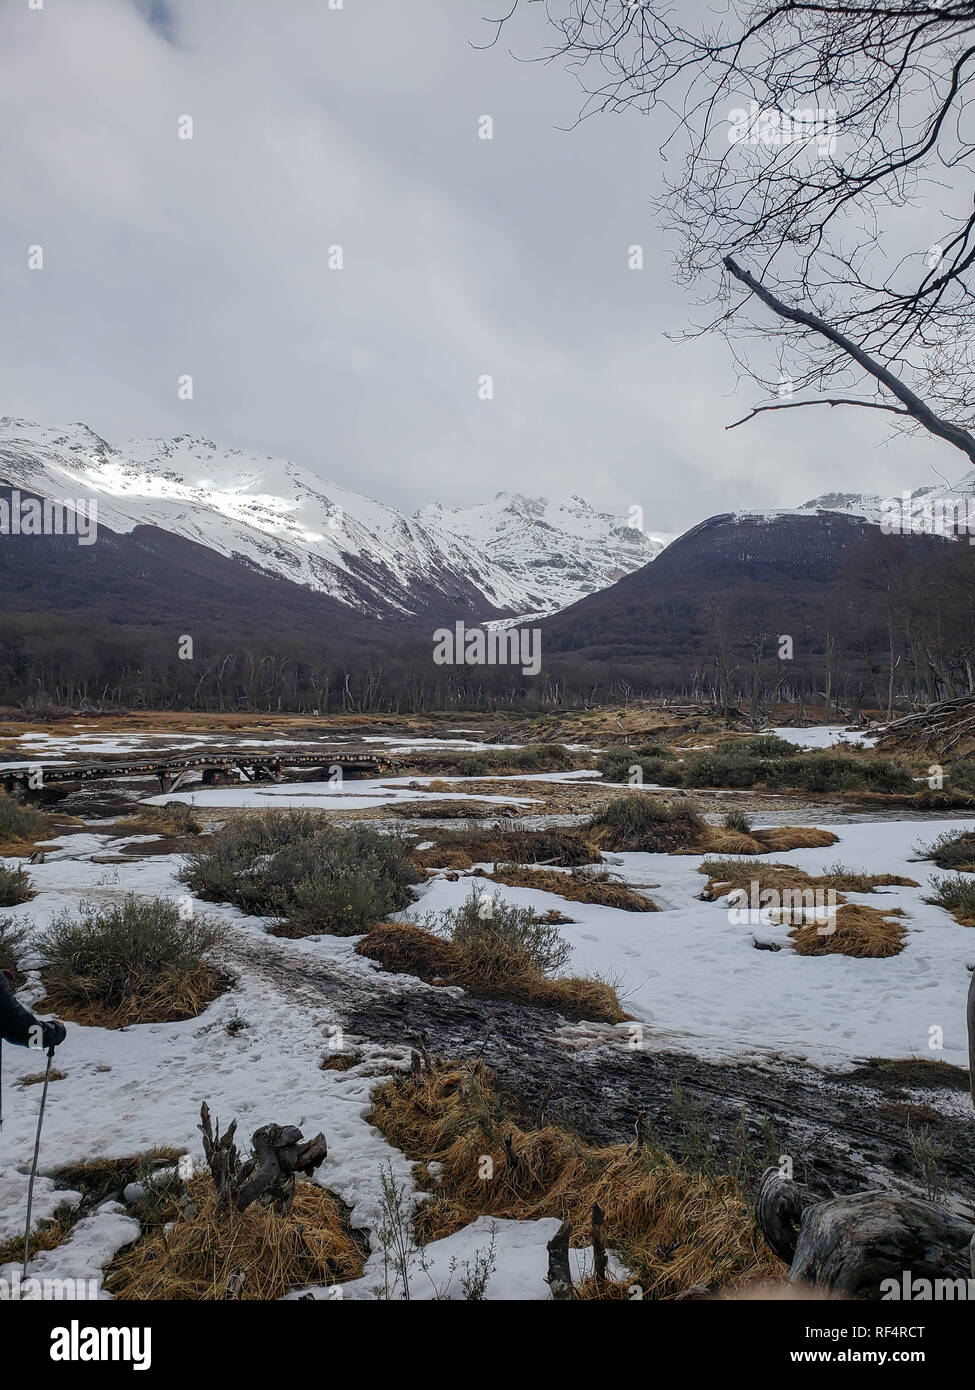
x,y
559,1277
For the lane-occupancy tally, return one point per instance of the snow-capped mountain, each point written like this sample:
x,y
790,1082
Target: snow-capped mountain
x,y
898,507
557,551
506,558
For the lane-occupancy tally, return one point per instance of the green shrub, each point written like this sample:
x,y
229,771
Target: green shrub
x,y
826,772
961,776
534,757
15,886
727,766
297,866
501,941
11,936
644,823
955,849
766,746
956,894
134,961
19,821
615,765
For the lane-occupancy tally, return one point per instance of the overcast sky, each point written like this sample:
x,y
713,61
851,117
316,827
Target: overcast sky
x,y
359,126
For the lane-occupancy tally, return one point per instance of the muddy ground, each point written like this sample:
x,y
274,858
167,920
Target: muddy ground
x,y
843,1135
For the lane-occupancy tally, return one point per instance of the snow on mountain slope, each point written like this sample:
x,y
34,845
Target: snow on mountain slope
x,y
558,551
898,505
265,512
503,558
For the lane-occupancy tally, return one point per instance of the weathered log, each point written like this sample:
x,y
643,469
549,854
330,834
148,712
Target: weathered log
x,y
852,1244
599,1262
279,1153
779,1209
220,1151
559,1277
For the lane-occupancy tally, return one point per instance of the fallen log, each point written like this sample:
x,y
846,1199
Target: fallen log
x,y
852,1245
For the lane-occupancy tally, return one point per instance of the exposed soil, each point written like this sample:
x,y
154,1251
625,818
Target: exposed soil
x,y
838,1128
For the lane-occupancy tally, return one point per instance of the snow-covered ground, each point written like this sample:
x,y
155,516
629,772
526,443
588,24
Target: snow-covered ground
x,y
692,979
350,794
824,736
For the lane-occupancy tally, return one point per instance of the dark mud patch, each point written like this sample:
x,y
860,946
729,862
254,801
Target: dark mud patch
x,y
838,1129
896,1077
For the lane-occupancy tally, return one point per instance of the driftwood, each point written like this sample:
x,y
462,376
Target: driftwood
x,y
599,1262
937,727
779,1209
280,1154
220,1151
559,1277
852,1244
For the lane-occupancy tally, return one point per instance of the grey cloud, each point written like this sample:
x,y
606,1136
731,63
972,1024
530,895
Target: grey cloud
x,y
462,257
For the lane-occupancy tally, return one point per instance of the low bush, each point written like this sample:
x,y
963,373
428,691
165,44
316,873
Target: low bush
x,y
644,823
617,765
534,757
957,895
955,849
496,949
961,775
297,866
19,821
15,886
737,821
11,938
499,940
131,962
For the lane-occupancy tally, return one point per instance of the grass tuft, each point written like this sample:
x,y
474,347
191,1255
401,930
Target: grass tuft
x,y
193,1255
674,1227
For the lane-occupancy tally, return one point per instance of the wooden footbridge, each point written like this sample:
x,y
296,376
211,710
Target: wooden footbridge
x,y
215,768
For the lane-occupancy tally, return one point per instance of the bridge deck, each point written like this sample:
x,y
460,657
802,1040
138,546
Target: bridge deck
x,y
254,767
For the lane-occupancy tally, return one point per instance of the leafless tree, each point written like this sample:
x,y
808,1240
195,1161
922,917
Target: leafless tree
x,y
820,175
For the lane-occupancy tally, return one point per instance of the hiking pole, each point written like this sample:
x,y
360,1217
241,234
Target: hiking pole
x,y
33,1167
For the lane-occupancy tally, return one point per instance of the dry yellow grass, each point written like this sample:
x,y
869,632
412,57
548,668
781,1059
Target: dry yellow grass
x,y
405,949
46,1235
193,1257
774,839
860,931
724,875
174,818
575,888
674,1228
167,1002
